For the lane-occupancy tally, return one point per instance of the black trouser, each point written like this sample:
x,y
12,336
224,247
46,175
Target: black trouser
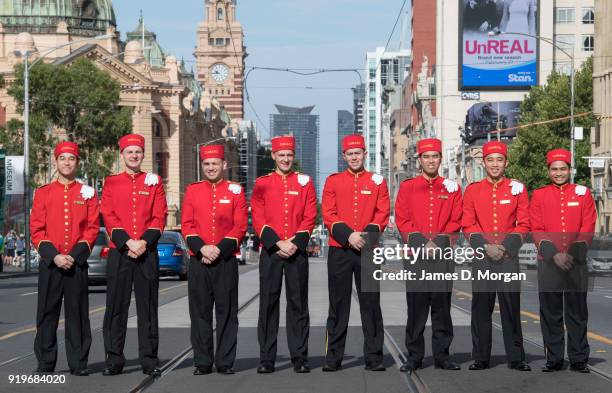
x,y
483,304
122,271
441,324
271,268
71,285
214,285
552,319
342,264
422,295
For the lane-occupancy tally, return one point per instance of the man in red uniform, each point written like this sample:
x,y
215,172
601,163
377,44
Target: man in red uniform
x,y
134,211
427,213
563,219
214,221
495,218
64,226
354,202
284,209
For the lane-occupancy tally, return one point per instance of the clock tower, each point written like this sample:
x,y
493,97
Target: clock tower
x,y
220,54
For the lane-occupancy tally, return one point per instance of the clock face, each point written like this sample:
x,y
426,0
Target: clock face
x,y
219,73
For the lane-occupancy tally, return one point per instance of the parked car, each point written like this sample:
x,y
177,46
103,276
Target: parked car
x,y
528,256
172,250
97,259
599,256
173,255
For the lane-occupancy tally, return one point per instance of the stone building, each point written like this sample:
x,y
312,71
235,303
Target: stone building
x,y
169,107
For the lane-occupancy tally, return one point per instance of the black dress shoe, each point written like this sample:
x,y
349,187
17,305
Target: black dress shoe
x,y
580,367
43,370
265,369
477,366
154,372
550,367
83,372
519,366
301,368
109,371
225,370
411,365
202,370
377,367
330,368
447,365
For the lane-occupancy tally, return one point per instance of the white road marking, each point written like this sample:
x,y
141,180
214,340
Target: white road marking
x,y
30,293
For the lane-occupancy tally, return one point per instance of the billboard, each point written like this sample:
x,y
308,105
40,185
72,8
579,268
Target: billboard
x,y
490,56
483,118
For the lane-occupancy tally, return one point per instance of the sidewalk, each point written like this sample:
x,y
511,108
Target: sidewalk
x,y
14,271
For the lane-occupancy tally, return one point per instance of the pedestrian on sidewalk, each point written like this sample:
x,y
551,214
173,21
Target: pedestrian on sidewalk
x,y
20,250
495,219
428,215
214,221
563,220
64,224
9,247
284,208
355,204
134,211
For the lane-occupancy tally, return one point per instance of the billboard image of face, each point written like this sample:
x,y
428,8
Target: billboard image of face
x,y
490,56
482,118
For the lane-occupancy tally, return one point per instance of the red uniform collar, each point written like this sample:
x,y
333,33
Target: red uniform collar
x,y
500,183
136,175
217,184
63,186
430,181
562,187
355,174
283,176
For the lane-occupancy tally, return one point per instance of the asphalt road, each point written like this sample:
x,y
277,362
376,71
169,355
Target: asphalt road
x,y
18,307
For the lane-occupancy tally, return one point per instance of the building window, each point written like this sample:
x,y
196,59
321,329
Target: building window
x,y
220,14
588,16
563,68
565,41
372,67
588,42
2,116
565,15
211,41
597,135
157,128
220,41
161,164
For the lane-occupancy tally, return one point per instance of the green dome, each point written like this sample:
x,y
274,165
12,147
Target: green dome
x,y
83,17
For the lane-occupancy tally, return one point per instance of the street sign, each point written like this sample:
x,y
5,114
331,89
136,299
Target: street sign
x,y
14,167
578,133
597,162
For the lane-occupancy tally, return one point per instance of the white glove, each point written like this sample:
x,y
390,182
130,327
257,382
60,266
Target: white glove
x,y
87,192
303,179
377,179
235,188
152,179
517,187
450,185
580,190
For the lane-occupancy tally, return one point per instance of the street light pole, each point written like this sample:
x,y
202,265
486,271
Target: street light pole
x,y
26,159
572,87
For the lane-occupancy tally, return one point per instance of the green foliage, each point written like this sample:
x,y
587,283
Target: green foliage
x,y
265,163
527,154
81,100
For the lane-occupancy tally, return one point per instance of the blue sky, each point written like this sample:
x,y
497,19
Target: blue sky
x,y
287,34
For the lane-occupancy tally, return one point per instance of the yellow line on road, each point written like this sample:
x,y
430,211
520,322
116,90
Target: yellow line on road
x,y
536,317
91,312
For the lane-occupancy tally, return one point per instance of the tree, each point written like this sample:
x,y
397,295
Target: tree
x,y
79,99
527,154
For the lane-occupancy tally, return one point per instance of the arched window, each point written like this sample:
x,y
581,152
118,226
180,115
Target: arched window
x,y
219,13
157,128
